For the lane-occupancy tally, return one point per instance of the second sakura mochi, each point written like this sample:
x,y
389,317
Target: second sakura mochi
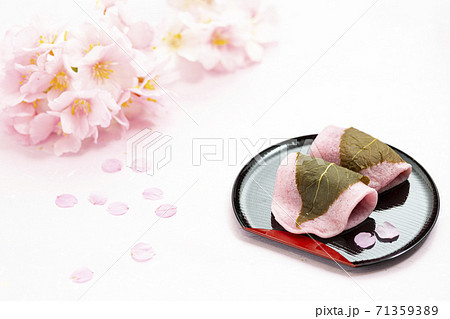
x,y
362,153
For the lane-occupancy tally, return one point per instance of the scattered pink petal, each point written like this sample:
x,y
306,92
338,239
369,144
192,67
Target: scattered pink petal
x,y
117,208
142,252
112,165
66,200
81,275
365,240
166,210
153,193
97,199
387,232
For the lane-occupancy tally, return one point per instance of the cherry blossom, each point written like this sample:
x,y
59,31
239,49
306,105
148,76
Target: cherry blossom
x,y
108,68
82,111
63,85
29,122
60,75
177,40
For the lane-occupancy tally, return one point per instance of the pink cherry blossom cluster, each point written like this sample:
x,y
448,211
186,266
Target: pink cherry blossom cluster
x,y
68,85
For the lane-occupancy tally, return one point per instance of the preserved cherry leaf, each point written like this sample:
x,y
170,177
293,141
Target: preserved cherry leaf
x,y
320,183
359,150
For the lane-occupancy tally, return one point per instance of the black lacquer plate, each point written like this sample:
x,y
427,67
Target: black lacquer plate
x,y
411,207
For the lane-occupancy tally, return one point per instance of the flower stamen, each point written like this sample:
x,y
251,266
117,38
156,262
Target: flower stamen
x,y
91,46
175,40
150,85
101,71
218,38
44,39
59,82
127,103
81,105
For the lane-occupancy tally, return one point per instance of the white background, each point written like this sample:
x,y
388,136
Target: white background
x,y
388,75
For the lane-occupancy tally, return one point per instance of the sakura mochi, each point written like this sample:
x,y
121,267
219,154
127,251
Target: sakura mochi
x,y
318,197
362,153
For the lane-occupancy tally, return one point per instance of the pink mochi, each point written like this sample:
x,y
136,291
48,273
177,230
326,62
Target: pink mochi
x,y
351,208
383,176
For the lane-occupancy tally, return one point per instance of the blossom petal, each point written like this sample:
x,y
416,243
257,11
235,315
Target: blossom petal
x,y
22,125
387,232
140,35
67,144
99,114
97,199
107,99
153,193
66,200
365,240
209,60
166,210
117,208
60,103
41,126
9,86
125,77
37,83
122,120
142,252
74,124
20,110
191,46
82,274
254,51
112,165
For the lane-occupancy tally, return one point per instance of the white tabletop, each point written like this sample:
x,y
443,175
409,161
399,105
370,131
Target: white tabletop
x,y
385,71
